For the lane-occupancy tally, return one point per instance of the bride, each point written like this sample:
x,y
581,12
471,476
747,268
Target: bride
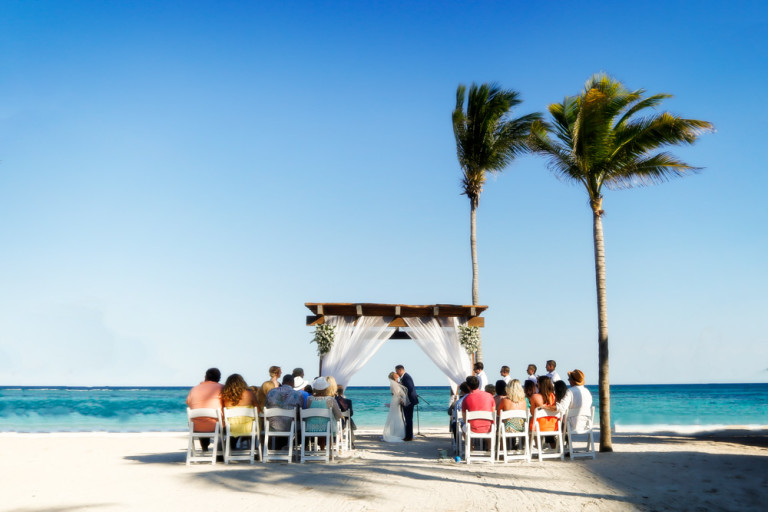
x,y
394,428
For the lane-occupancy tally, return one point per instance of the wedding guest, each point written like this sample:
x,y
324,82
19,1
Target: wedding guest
x,y
456,406
322,398
283,397
560,389
479,371
477,400
504,372
551,373
544,398
261,393
576,397
274,375
499,392
490,388
532,374
236,393
206,395
345,404
298,379
529,388
514,400
332,386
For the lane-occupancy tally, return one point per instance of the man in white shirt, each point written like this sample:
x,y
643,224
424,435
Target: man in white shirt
x,y
577,397
551,373
481,376
504,372
532,375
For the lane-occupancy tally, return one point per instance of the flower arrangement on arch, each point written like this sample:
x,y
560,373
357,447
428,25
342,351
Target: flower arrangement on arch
x,y
325,334
469,337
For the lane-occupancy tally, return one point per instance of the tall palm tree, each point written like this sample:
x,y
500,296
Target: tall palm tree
x,y
487,140
605,136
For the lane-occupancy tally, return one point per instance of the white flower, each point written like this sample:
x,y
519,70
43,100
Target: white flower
x,y
324,337
469,337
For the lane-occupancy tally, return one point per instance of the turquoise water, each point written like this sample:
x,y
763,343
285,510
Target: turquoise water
x,y
149,409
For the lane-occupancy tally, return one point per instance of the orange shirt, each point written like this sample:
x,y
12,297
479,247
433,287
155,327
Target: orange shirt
x,y
206,395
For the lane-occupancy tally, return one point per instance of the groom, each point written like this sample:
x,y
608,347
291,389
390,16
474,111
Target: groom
x,y
413,398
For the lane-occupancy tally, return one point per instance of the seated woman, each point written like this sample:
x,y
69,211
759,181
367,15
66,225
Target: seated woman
x,y
236,393
513,400
499,392
544,398
323,396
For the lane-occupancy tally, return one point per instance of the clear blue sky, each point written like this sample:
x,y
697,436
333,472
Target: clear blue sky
x,y
178,178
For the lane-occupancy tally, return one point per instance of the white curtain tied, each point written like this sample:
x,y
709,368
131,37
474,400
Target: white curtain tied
x,y
354,344
439,339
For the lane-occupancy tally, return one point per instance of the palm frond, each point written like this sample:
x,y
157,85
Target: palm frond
x,y
649,170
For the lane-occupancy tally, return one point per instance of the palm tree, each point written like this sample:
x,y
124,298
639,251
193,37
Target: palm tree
x,y
605,136
487,140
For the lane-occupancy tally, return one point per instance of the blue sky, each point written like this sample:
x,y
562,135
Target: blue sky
x,y
178,179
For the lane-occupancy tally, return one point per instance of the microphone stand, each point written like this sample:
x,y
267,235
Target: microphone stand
x,y
418,420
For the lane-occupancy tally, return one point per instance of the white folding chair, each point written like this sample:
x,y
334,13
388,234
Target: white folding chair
x,y
539,434
583,421
308,437
470,454
503,436
200,456
290,434
344,433
232,416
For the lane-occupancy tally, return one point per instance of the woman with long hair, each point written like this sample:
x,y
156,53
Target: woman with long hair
x,y
544,398
514,400
236,393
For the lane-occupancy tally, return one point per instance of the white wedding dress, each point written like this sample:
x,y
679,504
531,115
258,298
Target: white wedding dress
x,y
394,428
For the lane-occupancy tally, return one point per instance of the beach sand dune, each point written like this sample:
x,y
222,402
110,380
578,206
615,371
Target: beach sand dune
x,y
59,472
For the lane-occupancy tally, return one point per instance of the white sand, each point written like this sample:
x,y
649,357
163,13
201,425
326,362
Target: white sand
x,y
59,472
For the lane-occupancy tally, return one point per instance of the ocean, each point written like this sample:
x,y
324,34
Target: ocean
x,y
635,408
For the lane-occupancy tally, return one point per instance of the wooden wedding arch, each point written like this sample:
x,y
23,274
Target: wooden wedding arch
x,y
397,311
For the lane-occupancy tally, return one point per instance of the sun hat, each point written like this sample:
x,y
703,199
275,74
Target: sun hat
x,y
320,384
577,376
299,383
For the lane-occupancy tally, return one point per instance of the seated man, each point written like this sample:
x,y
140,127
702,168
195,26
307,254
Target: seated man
x,y
284,397
577,397
206,395
477,400
345,404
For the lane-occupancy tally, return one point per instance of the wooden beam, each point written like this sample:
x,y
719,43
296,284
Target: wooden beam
x,y
404,310
315,320
398,322
476,321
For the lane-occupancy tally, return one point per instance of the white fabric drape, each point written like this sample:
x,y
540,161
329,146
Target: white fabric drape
x,y
354,345
440,341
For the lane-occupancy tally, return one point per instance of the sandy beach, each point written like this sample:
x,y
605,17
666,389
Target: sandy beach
x,y
726,470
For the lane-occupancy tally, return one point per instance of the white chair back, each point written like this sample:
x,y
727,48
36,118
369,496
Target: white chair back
x,y
231,453
290,434
557,434
200,456
469,435
503,436
580,422
306,437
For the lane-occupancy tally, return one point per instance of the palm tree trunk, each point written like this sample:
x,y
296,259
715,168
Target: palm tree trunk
x,y
475,272
602,321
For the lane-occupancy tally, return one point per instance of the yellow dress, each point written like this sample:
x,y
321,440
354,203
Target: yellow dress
x,y
240,425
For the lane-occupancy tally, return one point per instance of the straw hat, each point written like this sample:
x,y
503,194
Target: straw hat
x,y
577,376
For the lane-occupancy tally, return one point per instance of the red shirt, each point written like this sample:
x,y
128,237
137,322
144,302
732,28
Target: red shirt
x,y
479,400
